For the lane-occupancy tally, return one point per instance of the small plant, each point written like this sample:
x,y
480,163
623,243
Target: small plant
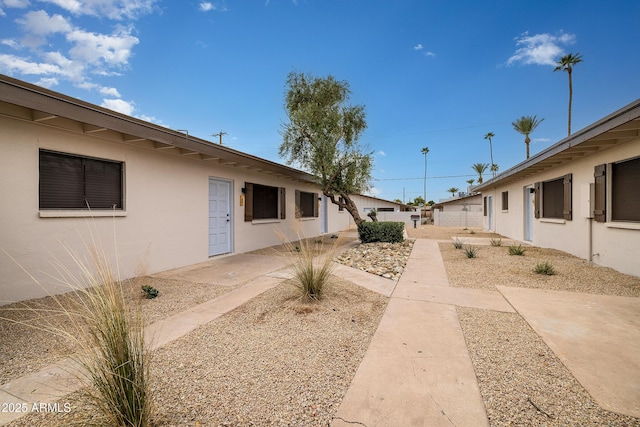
x,y
516,250
311,273
471,251
496,242
149,291
544,268
317,242
472,232
457,243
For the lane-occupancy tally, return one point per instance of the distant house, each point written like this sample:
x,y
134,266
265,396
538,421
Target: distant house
x,y
581,195
461,211
70,169
386,210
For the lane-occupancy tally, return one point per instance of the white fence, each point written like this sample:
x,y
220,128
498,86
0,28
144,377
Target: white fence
x,y
457,219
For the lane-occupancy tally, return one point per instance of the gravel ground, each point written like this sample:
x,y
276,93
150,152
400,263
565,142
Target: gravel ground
x,y
276,361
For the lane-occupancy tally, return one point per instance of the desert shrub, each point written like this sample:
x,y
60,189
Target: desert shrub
x,y
311,272
457,243
544,268
496,242
516,250
113,359
390,232
471,251
149,291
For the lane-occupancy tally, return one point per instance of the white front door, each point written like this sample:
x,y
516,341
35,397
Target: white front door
x,y
528,213
219,217
490,212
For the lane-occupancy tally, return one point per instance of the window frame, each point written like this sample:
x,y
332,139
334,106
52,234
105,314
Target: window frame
x,y
88,184
566,183
505,200
250,205
607,194
300,212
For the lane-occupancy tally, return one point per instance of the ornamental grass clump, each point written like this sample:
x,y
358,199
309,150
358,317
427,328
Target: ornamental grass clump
x,y
457,243
544,268
516,250
496,242
312,266
471,251
112,359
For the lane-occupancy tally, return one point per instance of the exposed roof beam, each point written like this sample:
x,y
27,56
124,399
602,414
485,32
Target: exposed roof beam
x,y
93,129
39,116
131,138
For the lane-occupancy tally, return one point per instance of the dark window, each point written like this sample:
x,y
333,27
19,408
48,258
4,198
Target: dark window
x,y
76,182
625,190
484,206
306,204
600,202
385,210
505,200
555,196
264,202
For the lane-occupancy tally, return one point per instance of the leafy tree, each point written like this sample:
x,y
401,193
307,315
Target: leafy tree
x,y
567,63
453,191
431,203
322,137
525,125
470,182
488,136
479,168
494,169
398,201
418,201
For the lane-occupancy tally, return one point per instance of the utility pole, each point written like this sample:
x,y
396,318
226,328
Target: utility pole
x,y
424,151
220,135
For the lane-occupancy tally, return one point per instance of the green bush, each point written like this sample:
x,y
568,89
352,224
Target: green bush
x,y
390,232
471,251
149,292
496,242
516,250
544,268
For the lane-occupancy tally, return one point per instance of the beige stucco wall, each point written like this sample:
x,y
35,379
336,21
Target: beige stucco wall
x,y
611,246
165,224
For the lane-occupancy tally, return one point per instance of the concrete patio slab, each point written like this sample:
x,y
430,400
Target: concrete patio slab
x,y
426,265
228,271
475,298
597,337
416,372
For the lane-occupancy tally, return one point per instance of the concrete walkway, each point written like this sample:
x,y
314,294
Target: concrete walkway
x,y
417,370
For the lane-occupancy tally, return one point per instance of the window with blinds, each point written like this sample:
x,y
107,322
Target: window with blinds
x,y
75,182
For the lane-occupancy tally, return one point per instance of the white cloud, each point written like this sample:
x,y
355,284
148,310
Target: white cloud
x,y
11,43
18,4
420,48
40,23
112,9
110,91
207,6
11,64
47,82
95,49
119,105
381,153
540,49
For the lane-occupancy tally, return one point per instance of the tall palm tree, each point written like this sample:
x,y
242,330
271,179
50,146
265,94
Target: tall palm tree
x,y
480,168
489,136
494,169
525,125
424,151
453,191
567,63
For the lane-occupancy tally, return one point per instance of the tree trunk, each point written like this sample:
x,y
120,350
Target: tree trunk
x,y
527,140
347,204
570,99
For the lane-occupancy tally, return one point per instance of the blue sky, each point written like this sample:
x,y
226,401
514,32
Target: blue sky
x,y
439,74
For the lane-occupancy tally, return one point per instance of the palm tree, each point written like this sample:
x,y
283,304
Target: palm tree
x,y
480,168
525,125
453,191
567,63
494,169
489,136
470,182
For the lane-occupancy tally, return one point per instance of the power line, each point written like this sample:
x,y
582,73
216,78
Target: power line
x,y
429,177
